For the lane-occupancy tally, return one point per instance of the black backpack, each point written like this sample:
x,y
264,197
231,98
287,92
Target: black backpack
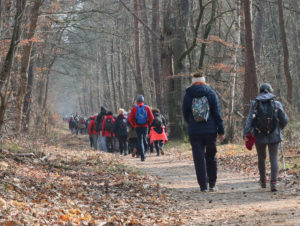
x,y
122,126
98,122
265,118
157,121
108,125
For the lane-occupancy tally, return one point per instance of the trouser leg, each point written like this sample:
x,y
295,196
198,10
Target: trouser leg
x,y
210,157
273,154
199,160
261,154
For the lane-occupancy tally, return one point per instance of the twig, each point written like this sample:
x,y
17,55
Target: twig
x,y
14,185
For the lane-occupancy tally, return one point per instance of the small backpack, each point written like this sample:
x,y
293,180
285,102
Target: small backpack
x,y
141,115
123,126
200,109
157,121
108,125
265,118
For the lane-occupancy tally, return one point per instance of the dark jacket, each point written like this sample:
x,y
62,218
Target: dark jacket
x,y
214,123
276,135
100,118
119,132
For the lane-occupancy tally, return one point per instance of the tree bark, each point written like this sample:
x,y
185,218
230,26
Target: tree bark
x,y
148,50
155,56
231,128
28,96
258,34
179,40
10,56
285,54
25,64
139,78
296,44
250,84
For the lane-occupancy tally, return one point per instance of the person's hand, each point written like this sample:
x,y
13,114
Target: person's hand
x,y
221,137
246,139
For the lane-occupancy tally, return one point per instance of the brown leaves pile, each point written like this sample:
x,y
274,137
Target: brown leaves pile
x,y
54,185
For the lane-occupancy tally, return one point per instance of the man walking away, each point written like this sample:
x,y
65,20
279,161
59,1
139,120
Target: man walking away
x,y
99,123
202,112
107,130
265,120
120,130
140,118
92,131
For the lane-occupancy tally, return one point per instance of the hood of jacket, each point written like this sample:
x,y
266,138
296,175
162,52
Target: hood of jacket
x,y
103,111
198,90
265,96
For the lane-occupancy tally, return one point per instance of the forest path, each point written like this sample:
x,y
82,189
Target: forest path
x,y
239,199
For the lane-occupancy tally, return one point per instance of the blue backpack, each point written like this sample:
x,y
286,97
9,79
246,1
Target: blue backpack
x,y
141,115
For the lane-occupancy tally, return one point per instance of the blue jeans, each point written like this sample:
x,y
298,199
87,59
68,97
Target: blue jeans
x,y
101,143
142,133
205,161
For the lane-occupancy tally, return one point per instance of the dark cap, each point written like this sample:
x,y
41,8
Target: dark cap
x,y
140,98
265,88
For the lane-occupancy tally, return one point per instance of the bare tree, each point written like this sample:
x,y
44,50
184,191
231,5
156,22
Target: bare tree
x,y
250,84
288,77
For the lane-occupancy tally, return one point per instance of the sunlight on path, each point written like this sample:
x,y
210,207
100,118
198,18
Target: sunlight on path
x,y
239,198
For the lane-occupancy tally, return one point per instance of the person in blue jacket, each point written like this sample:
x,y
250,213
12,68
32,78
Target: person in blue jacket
x,y
203,135
272,140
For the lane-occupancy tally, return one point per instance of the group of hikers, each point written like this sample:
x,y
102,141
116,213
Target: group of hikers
x,y
142,129
136,132
202,112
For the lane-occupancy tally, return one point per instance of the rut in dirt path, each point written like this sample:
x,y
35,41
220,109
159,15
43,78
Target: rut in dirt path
x,y
239,198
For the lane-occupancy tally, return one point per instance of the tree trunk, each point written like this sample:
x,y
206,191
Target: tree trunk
x,y
250,84
25,65
231,128
148,51
155,57
139,78
296,44
207,31
10,56
258,35
179,40
27,98
285,54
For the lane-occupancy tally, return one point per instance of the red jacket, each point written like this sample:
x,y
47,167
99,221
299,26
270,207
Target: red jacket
x,y
132,116
106,133
92,127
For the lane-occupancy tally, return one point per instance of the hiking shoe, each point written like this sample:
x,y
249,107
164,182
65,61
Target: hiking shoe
x,y
133,153
212,188
273,186
263,183
203,189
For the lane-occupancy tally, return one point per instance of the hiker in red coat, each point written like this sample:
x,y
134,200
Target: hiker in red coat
x,y
107,130
140,118
92,131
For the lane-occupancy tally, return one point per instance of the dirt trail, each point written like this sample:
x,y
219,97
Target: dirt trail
x,y
239,199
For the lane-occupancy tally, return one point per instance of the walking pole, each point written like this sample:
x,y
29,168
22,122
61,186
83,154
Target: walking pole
x,y
284,168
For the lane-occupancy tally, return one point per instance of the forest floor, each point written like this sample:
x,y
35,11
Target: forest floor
x,y
61,181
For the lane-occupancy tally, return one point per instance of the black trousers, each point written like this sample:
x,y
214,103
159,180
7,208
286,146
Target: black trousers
x,y
123,144
109,144
205,161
